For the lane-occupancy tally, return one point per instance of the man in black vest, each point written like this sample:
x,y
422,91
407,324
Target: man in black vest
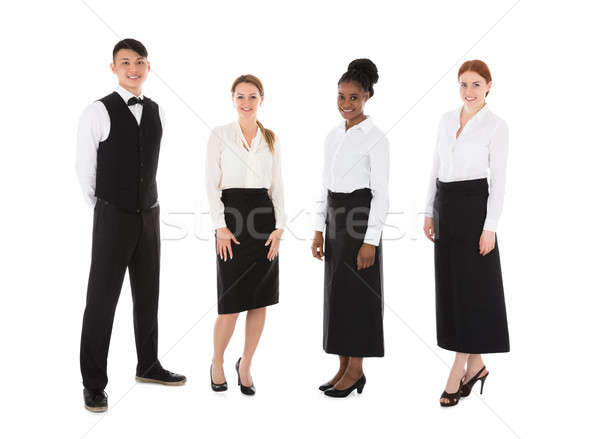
x,y
118,144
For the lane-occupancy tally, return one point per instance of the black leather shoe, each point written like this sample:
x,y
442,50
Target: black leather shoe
x,y
358,385
244,389
95,400
159,375
217,387
325,386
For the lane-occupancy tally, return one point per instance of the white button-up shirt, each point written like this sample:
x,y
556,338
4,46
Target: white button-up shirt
x,y
230,165
94,127
355,159
480,151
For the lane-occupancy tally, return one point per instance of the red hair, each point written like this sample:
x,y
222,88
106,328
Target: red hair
x,y
477,66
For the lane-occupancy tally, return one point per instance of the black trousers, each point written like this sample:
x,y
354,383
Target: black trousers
x,y
121,240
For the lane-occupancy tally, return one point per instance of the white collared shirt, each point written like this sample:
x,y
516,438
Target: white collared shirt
x,y
480,151
355,159
94,127
230,165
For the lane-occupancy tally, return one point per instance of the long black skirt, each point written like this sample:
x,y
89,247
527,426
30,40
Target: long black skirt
x,y
470,309
353,305
249,280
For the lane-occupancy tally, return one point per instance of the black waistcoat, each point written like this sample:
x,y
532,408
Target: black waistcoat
x,y
128,158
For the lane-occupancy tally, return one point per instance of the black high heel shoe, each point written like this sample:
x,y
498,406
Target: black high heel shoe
x,y
244,389
465,388
217,387
358,385
452,398
325,386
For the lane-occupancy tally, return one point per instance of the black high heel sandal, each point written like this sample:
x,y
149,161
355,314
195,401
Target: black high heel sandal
x,y
244,389
358,385
452,398
465,388
217,387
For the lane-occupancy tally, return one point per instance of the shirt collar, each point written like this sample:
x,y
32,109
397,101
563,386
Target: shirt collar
x,y
240,133
365,126
126,94
479,115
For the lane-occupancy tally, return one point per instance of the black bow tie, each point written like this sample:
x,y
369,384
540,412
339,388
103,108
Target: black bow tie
x,y
135,100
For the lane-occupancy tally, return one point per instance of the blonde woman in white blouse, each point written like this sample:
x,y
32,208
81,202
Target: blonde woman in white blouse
x,y
245,193
462,214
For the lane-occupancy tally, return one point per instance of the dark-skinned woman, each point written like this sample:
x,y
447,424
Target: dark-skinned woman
x,y
351,211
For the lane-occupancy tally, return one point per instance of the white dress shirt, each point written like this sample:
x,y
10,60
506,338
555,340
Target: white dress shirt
x,y
94,127
230,165
354,159
480,151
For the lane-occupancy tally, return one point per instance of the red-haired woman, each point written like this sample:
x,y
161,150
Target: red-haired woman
x,y
245,193
461,217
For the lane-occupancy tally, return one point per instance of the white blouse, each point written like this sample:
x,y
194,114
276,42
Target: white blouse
x,y
480,151
230,165
355,159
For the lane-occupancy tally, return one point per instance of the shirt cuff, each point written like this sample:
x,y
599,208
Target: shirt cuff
x,y
490,225
372,237
219,223
320,222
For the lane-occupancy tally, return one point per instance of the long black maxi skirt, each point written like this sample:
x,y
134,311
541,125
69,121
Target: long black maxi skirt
x,y
470,309
353,305
249,280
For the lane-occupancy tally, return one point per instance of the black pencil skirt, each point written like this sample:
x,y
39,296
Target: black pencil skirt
x,y
470,309
353,305
249,280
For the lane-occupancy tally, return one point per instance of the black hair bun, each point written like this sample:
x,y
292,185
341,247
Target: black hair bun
x,y
364,72
367,67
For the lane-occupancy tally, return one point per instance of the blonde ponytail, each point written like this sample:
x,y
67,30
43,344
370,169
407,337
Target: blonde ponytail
x,y
268,135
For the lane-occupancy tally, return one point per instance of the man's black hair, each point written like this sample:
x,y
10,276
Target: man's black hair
x,y
130,43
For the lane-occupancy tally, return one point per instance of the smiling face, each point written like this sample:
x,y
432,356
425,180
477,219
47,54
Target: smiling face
x,y
351,101
247,99
473,88
131,70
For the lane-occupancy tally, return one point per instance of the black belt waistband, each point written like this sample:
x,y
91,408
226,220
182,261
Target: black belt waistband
x,y
356,194
245,191
476,185
107,203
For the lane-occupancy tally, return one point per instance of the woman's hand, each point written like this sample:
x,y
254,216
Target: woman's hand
x,y
273,241
487,242
429,228
366,256
317,246
224,238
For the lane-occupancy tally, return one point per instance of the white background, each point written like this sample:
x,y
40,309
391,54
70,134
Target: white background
x,y
544,60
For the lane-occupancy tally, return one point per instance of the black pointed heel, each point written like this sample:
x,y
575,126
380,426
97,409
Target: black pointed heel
x,y
244,389
325,386
217,387
358,385
465,388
